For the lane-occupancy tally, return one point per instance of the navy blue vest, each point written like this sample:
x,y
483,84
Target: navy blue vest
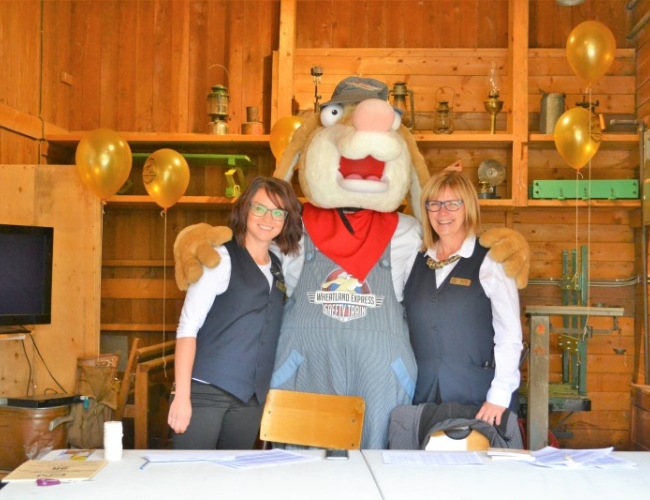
x,y
235,347
451,332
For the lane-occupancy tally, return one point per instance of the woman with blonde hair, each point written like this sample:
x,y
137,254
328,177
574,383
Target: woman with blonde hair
x,y
462,309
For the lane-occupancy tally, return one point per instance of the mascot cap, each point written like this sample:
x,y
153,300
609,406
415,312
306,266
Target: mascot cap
x,y
356,89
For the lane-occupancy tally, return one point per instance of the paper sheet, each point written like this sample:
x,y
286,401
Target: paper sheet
x,y
246,460
264,459
510,454
568,458
419,458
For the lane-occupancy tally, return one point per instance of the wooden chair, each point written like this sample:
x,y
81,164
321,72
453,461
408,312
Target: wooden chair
x,y
318,420
142,364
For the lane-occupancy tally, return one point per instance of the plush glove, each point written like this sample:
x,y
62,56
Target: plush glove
x,y
194,248
511,249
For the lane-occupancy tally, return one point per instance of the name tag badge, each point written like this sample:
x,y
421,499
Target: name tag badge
x,y
281,286
460,281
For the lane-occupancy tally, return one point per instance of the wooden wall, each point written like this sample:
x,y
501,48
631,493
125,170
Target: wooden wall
x,y
45,361
148,65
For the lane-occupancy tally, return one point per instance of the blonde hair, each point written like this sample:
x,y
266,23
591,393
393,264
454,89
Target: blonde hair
x,y
458,183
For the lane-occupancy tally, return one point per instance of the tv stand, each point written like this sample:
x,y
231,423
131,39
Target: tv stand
x,y
13,330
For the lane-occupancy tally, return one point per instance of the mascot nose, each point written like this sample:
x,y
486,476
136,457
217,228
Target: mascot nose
x,y
373,115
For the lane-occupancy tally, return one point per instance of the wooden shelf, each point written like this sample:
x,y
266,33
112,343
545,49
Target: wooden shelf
x,y
129,327
465,139
623,204
189,143
146,202
194,142
500,204
609,141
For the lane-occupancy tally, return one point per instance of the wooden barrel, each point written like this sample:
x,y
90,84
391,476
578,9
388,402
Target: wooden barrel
x,y
29,433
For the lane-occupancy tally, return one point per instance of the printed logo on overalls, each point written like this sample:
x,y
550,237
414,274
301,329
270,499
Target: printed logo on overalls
x,y
344,297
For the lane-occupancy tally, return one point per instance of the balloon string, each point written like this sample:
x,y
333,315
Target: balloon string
x,y
163,214
586,280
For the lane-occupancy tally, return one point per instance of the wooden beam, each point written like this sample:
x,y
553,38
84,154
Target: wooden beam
x,y
286,51
518,75
140,289
24,124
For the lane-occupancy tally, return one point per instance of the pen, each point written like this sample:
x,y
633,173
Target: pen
x,y
144,464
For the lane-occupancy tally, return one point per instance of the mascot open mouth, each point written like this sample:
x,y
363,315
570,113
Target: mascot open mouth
x,y
364,175
368,168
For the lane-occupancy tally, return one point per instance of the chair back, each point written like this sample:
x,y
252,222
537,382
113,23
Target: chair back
x,y
308,419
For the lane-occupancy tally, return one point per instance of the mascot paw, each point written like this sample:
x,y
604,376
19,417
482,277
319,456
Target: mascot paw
x,y
511,249
194,248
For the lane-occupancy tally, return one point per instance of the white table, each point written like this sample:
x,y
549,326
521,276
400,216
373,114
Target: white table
x,y
124,480
502,480
363,477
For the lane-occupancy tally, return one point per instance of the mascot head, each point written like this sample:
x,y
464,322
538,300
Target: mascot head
x,y
356,153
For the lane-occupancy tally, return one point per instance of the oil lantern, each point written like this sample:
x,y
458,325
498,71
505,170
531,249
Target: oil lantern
x,y
443,116
218,102
493,104
399,93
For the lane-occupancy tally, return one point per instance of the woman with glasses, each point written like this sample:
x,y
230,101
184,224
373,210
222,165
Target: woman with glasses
x,y
230,323
462,309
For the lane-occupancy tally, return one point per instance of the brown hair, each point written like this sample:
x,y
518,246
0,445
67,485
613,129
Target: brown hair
x,y
457,182
281,193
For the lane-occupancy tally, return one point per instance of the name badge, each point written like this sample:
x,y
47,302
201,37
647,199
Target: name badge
x,y
281,286
460,281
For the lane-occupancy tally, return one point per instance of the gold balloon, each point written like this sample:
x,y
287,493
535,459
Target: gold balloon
x,y
590,49
103,160
577,136
166,176
281,134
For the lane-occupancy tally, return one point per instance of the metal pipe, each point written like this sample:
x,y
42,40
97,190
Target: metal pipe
x,y
640,126
596,283
638,26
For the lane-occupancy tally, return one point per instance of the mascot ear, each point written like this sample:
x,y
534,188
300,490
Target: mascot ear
x,y
419,171
291,156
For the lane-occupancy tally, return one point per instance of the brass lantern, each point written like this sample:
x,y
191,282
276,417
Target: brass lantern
x,y
218,102
443,116
493,104
399,93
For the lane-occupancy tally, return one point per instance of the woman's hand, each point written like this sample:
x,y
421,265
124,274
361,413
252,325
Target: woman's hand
x,y
180,413
491,413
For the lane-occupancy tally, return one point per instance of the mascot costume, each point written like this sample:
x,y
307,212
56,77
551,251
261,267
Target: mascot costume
x,y
343,329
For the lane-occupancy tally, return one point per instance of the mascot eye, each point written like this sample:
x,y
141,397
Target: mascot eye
x,y
331,114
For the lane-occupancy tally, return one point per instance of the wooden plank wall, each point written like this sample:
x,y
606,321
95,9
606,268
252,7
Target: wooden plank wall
x,y
148,65
45,361
639,33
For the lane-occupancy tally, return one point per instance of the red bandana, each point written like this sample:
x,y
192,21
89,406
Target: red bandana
x,y
356,253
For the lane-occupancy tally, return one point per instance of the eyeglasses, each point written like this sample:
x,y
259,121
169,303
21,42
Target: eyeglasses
x,y
450,205
276,213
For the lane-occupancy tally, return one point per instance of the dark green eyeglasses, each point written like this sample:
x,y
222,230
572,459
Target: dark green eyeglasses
x,y
260,210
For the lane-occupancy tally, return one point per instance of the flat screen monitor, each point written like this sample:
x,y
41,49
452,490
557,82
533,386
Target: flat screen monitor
x,y
25,275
